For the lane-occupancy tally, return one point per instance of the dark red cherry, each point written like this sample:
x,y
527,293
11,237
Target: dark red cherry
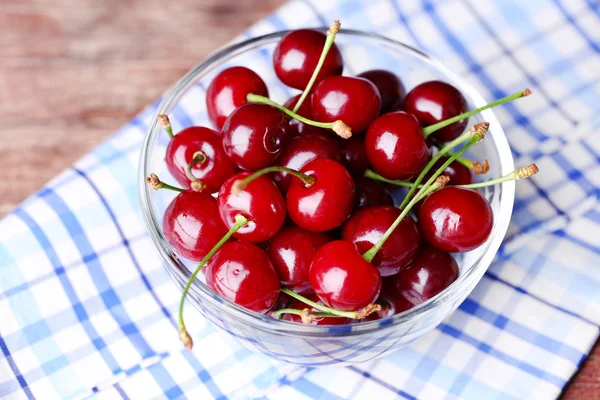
x,y
395,146
261,202
298,305
458,173
326,203
371,193
367,225
254,135
228,91
432,272
355,101
213,171
302,150
390,87
355,155
300,128
292,250
456,219
390,299
242,273
342,278
435,101
297,54
191,224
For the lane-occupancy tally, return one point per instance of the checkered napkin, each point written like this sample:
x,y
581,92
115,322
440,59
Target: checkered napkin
x,y
86,308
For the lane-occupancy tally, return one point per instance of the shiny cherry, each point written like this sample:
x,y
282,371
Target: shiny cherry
x,y
212,171
435,101
296,127
326,203
261,202
297,54
456,219
228,91
342,278
395,146
433,271
298,305
366,226
355,101
302,150
371,193
291,251
355,155
242,273
388,84
254,135
191,224
458,173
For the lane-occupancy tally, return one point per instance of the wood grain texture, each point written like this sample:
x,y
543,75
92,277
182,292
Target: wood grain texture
x,y
73,71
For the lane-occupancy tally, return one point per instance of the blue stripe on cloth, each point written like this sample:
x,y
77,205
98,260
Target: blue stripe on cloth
x,y
203,374
406,24
126,244
386,385
591,42
108,295
11,387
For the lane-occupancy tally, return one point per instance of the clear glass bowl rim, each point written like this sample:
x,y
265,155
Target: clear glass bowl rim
x,y
264,322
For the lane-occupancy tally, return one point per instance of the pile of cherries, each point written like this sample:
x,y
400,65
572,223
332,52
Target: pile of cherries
x,y
289,208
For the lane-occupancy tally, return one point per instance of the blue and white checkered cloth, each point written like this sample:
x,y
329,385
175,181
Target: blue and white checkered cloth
x,y
86,309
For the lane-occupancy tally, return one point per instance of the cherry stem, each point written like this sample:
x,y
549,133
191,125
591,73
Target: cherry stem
x,y
339,127
331,32
306,315
359,314
436,181
240,221
458,141
242,184
163,120
156,184
376,177
521,173
199,158
432,128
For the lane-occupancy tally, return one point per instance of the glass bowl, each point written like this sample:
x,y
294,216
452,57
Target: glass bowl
x,y
307,344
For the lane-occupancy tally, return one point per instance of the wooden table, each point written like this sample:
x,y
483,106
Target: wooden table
x,y
72,72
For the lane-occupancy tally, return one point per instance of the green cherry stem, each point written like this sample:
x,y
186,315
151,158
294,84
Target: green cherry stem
x,y
242,184
456,142
339,127
359,314
306,315
240,221
436,181
156,184
376,177
163,120
331,32
432,128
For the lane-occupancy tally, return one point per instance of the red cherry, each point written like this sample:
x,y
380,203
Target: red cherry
x,y
254,135
367,225
302,150
292,250
355,101
261,202
242,273
458,173
213,171
228,91
326,203
298,305
191,224
355,155
296,127
432,272
371,193
395,146
390,87
342,278
456,219
435,101
297,54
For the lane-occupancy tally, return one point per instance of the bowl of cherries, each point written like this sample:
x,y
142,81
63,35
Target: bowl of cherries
x,y
326,196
